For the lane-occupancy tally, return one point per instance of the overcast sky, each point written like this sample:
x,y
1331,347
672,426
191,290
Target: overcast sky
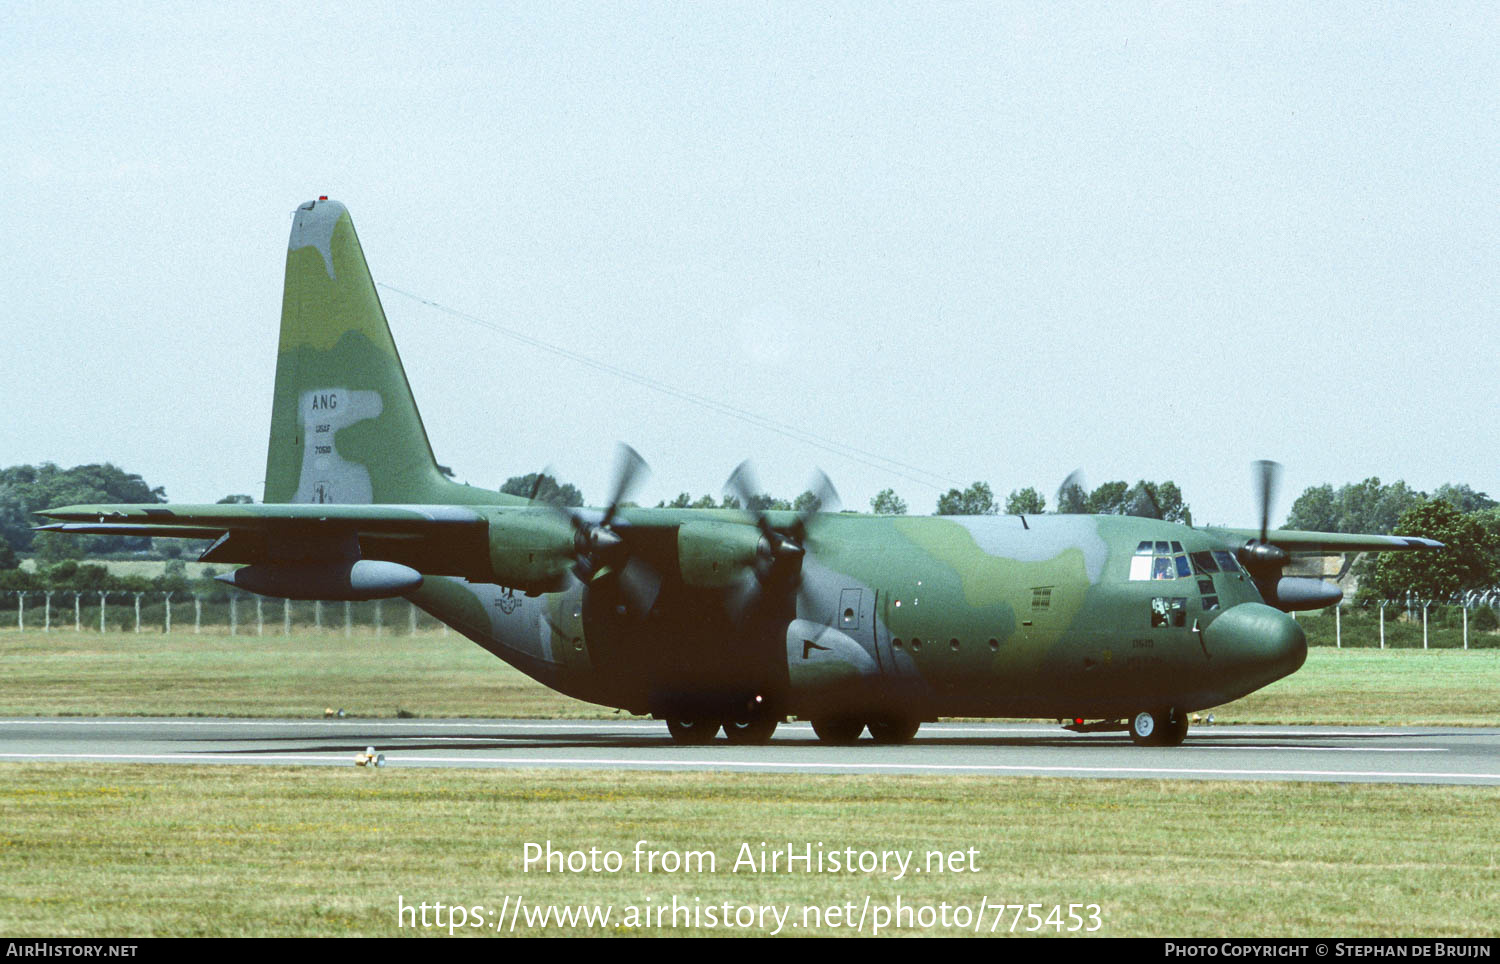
x,y
988,242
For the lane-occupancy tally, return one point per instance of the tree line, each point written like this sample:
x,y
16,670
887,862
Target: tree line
x,y
1466,520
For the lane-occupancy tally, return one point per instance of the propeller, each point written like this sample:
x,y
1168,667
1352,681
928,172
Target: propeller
x,y
777,569
1144,504
1267,479
1261,554
1072,495
598,547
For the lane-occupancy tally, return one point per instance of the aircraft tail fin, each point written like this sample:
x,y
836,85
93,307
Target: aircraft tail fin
x,y
344,424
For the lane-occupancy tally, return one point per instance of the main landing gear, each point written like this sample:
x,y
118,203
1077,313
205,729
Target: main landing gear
x,y
693,732
700,732
752,732
1158,728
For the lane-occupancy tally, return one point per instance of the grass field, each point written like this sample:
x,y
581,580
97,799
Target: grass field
x,y
159,850
432,675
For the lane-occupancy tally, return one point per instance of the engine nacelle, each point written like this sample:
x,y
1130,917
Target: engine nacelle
x,y
715,555
530,550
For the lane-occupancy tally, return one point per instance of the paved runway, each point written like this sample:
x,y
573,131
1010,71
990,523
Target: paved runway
x,y
1361,755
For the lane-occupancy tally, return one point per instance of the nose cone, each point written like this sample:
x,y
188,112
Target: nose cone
x,y
1256,643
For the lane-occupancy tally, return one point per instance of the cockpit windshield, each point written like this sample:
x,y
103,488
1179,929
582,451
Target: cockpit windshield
x,y
1158,559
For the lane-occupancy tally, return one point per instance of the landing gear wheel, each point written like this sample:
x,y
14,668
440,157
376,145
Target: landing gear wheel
x,y
750,732
1174,732
1146,727
837,730
693,732
894,729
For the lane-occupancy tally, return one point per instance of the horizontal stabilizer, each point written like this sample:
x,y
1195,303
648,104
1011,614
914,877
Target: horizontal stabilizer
x,y
221,517
128,529
434,539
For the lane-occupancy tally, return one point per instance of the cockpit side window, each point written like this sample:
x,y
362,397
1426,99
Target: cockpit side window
x,y
1226,561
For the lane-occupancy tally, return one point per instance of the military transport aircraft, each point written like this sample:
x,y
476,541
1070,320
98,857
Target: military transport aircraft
x,y
715,619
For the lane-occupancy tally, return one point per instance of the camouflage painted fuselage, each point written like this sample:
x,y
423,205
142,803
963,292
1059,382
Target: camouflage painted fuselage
x,y
922,616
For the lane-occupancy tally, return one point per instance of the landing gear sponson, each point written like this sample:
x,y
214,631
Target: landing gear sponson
x,y
833,730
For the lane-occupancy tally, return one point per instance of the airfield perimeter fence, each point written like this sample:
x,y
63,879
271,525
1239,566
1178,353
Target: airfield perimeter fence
x,y
235,613
1473,623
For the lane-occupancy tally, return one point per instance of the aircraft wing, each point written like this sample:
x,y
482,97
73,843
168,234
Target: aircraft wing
x,y
434,539
1327,543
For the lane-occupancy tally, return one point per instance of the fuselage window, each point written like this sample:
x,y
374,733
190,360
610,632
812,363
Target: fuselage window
x,y
1183,569
1144,549
1226,561
1203,563
1162,568
1140,568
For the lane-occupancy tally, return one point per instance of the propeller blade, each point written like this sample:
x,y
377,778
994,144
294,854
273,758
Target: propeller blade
x,y
630,471
777,571
1072,495
561,512
743,598
1267,477
825,497
640,584
742,484
1144,504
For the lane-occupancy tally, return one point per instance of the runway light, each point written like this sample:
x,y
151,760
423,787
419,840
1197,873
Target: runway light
x,y
1078,720
327,712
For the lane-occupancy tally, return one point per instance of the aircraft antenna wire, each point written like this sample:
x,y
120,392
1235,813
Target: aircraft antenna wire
x,y
874,460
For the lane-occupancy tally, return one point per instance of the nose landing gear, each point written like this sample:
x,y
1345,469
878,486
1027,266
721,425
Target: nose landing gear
x,y
1158,728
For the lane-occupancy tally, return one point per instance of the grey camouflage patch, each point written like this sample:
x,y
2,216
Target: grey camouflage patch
x,y
326,476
